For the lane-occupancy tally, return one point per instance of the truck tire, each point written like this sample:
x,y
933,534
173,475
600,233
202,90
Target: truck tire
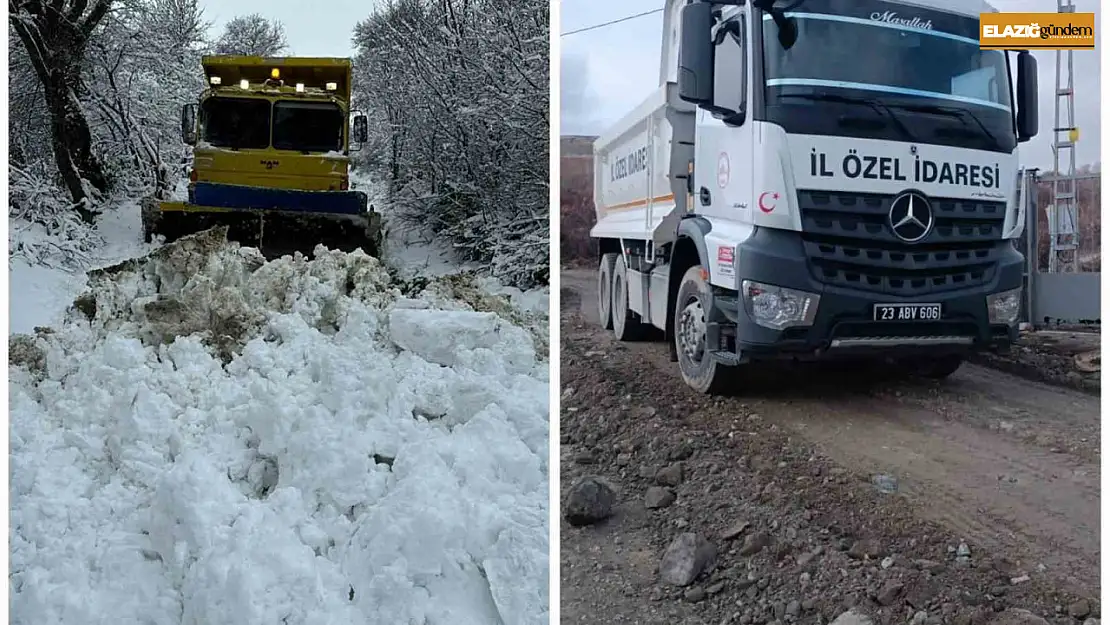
x,y
605,290
938,368
626,324
698,369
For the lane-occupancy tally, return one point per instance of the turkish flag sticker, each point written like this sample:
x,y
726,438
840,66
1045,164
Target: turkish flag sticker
x,y
768,200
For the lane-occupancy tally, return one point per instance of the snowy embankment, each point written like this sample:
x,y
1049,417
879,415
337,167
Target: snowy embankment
x,y
211,438
47,270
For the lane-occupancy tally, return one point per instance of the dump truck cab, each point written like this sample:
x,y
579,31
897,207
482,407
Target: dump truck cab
x,y
271,142
818,180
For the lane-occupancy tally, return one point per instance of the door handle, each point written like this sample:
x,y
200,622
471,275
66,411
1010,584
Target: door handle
x,y
704,197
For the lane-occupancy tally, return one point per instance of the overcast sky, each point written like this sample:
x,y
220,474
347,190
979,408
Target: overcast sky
x,y
313,29
609,71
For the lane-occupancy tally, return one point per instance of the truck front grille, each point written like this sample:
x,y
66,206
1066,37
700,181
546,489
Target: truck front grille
x,y
849,243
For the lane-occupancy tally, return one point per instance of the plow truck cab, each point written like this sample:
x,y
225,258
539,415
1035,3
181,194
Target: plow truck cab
x,y
817,180
271,142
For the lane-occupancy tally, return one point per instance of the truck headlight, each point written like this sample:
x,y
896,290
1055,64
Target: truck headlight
x,y
778,308
1004,307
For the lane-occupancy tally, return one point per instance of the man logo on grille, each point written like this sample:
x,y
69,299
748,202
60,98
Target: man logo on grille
x,y
911,217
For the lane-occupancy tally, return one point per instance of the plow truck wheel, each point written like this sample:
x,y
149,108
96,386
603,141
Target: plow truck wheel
x,y
604,290
626,324
699,370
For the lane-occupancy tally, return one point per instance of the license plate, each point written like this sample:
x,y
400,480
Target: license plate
x,y
907,312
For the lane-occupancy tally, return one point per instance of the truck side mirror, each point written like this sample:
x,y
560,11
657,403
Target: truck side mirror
x,y
695,54
189,123
360,132
1027,118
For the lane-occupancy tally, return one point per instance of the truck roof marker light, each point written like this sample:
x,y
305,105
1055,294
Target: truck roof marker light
x,y
244,84
275,73
331,86
300,87
215,80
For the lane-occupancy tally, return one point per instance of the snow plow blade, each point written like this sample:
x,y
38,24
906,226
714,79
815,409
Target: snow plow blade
x,y
276,222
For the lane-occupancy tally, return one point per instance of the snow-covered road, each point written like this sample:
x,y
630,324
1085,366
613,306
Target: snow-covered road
x,y
224,440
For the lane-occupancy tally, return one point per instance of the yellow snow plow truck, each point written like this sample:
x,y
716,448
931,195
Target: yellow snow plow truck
x,y
271,151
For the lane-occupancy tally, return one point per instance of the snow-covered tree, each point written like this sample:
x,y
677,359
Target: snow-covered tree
x,y
252,35
457,91
143,65
55,36
121,89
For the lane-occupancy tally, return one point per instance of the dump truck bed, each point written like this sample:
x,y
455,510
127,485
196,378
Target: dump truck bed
x,y
639,177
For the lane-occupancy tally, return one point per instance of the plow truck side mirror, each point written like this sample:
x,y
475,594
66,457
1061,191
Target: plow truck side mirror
x,y
361,133
695,54
1027,118
189,124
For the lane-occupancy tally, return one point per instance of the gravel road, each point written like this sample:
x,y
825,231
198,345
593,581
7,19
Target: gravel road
x,y
911,501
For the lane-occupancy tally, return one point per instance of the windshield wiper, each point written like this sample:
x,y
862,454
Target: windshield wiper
x,y
952,111
879,107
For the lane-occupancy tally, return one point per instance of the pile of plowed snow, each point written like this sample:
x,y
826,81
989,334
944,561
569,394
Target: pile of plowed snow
x,y
210,438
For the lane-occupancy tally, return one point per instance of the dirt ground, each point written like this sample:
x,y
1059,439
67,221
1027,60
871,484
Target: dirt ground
x,y
912,501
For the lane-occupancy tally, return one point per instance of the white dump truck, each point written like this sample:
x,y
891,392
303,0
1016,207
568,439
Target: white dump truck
x,y
817,179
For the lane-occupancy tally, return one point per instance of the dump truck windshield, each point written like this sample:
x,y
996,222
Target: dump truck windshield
x,y
924,66
308,126
237,123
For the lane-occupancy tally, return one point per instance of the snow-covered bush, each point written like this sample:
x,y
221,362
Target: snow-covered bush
x,y
43,227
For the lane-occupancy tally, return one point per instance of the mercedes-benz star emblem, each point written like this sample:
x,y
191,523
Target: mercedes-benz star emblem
x,y
911,217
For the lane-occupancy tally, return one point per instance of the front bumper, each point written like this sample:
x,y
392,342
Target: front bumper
x,y
843,325
216,197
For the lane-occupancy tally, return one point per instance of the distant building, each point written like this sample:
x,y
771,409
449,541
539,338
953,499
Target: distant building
x,y
576,146
576,207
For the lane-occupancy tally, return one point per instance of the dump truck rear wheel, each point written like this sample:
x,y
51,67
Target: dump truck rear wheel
x,y
698,369
605,290
626,324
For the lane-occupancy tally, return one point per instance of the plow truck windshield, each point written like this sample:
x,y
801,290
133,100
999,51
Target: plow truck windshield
x,y
236,123
252,124
308,126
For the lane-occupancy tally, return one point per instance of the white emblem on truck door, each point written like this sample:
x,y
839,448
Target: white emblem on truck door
x,y
724,170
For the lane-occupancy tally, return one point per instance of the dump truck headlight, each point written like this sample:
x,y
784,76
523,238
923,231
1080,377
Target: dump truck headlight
x,y
275,73
215,80
778,308
300,87
331,86
1004,307
244,84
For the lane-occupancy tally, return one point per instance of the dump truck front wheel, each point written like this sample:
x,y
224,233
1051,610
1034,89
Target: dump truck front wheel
x,y
698,368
